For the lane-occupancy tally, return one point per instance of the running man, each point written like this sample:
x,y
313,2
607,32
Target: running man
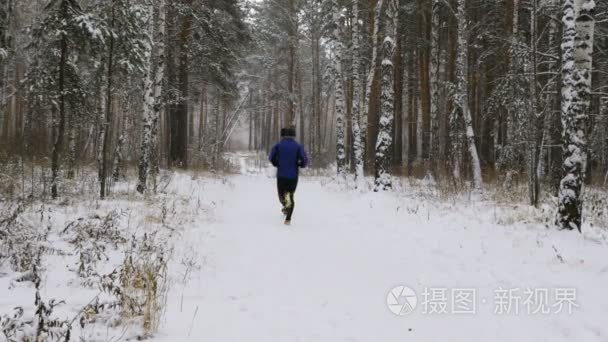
x,y
288,156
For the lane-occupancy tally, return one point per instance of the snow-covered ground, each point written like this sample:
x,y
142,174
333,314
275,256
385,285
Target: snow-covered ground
x,y
327,277
238,274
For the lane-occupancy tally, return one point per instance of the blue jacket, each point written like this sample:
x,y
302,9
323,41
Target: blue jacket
x,y
287,156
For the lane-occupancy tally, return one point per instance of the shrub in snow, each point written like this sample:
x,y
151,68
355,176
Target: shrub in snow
x,y
91,237
143,278
18,238
137,289
42,326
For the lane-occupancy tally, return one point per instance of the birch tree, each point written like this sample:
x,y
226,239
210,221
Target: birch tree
x,y
340,101
152,93
462,92
577,49
385,139
356,107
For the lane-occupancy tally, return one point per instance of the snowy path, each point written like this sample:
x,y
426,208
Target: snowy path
x,y
327,276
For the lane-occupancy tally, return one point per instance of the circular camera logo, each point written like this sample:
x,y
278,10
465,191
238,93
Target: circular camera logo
x,y
401,300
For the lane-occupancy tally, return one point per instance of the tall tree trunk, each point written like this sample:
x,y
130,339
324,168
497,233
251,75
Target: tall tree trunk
x,y
340,105
103,177
399,67
577,46
424,121
61,129
537,127
119,154
290,118
406,108
152,102
434,84
555,124
313,126
369,117
202,118
462,93
356,108
214,130
383,146
71,144
178,154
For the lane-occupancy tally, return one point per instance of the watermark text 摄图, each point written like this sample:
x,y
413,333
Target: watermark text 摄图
x,y
402,300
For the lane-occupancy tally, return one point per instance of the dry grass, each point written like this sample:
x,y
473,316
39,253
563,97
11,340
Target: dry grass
x,y
144,283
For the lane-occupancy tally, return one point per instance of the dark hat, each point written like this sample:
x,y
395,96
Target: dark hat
x,y
288,132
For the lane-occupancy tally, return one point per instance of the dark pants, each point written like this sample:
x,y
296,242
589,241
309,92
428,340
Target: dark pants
x,y
287,188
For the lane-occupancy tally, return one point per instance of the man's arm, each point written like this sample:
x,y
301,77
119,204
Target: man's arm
x,y
274,156
302,158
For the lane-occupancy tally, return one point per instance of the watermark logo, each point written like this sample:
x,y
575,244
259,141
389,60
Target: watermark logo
x,y
401,300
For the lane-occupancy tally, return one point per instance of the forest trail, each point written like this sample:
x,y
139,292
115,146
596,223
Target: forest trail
x,y
326,277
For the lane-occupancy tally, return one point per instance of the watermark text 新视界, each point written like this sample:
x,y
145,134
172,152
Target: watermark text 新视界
x,y
402,300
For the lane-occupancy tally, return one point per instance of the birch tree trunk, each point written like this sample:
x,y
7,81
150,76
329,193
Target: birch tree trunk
x,y
357,89
383,145
577,49
152,102
462,92
340,104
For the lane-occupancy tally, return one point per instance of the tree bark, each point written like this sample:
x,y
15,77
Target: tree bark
x,y
340,104
462,92
434,85
369,120
577,49
152,102
356,103
103,177
384,142
61,127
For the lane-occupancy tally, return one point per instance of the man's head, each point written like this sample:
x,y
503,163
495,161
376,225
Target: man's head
x,y
288,132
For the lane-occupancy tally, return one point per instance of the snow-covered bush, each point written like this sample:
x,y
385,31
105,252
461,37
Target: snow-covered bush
x,y
144,281
596,212
91,237
15,327
42,326
18,238
137,289
9,178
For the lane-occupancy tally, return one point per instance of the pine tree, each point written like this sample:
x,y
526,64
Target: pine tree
x,y
124,50
371,74
64,31
434,83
